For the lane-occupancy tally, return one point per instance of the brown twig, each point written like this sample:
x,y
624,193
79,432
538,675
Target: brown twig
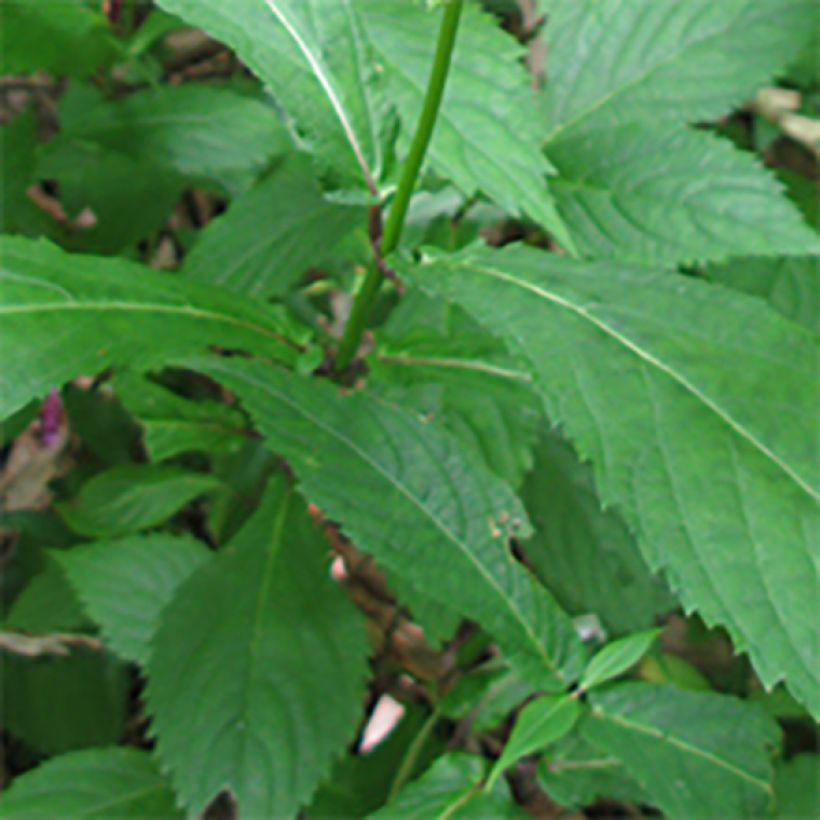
x,y
56,644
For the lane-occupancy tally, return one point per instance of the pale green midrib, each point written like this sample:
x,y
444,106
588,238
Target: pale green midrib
x,y
599,714
459,802
256,628
446,532
616,92
648,357
122,798
132,307
323,77
456,364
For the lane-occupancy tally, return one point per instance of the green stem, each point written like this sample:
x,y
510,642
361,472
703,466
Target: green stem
x,y
411,757
374,278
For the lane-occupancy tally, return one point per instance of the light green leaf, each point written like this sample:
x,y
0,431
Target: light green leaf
x,y
61,38
451,787
695,754
696,406
314,57
617,657
791,286
172,424
584,554
133,497
612,63
275,656
487,136
797,787
540,723
349,450
108,782
666,195
272,234
623,79
125,584
195,131
81,314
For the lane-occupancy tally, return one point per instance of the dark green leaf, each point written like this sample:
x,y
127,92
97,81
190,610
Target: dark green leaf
x,y
93,783
62,38
272,234
694,753
57,704
584,554
791,286
349,450
450,788
194,131
257,671
125,584
133,497
172,424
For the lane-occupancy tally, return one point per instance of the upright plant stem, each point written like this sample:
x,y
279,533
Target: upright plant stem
x,y
391,235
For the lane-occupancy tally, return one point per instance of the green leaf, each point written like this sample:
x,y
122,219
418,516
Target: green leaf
x,y
360,783
612,63
195,131
473,387
272,234
172,424
314,57
540,723
133,497
93,783
451,787
349,450
128,199
18,146
666,195
622,80
617,657
796,787
82,314
257,672
584,554
47,604
487,696
575,774
695,754
695,405
790,286
61,38
125,584
492,146
56,704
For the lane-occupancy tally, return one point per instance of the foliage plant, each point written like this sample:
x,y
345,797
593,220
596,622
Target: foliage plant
x,y
453,355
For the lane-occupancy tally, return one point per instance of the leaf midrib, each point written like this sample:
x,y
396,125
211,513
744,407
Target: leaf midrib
x,y
600,714
395,482
616,92
146,307
648,357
